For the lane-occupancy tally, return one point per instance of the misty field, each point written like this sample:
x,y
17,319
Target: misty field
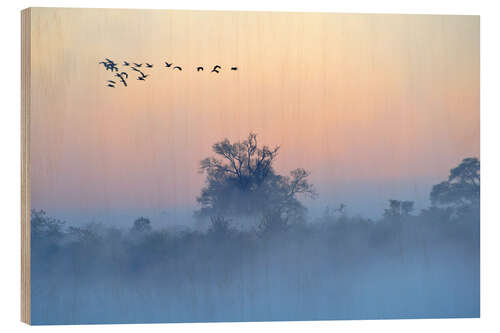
x,y
281,265
338,268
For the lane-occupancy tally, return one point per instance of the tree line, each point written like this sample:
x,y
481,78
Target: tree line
x,y
283,267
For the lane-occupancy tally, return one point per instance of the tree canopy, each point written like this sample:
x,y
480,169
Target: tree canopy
x,y
241,181
462,187
398,208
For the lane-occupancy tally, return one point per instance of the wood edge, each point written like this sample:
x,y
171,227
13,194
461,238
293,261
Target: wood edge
x,y
25,165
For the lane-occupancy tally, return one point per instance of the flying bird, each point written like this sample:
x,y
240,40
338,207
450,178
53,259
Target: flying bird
x,y
216,69
167,64
199,68
109,65
234,68
178,67
149,65
137,65
121,75
126,63
135,69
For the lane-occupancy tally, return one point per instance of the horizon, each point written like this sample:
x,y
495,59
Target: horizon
x,y
357,100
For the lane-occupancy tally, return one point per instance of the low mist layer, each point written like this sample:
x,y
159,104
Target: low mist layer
x,y
258,257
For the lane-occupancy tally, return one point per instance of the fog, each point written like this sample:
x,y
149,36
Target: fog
x,y
424,266
255,253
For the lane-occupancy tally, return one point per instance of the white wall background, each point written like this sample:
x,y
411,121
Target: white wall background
x,y
490,160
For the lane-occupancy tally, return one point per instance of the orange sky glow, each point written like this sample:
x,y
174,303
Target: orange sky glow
x,y
374,106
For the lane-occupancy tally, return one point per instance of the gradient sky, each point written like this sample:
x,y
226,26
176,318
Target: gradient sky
x,y
375,106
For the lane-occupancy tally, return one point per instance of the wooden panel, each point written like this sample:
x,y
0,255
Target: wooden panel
x,y
25,164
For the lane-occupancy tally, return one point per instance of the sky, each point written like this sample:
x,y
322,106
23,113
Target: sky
x,y
374,106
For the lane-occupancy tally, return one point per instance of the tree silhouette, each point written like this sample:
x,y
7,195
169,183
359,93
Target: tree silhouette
x,y
462,187
141,225
241,181
219,227
398,208
44,228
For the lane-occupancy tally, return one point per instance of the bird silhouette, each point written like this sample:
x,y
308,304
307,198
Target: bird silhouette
x,y
234,68
149,65
216,69
199,68
126,63
111,62
121,75
178,67
167,64
109,65
140,72
137,65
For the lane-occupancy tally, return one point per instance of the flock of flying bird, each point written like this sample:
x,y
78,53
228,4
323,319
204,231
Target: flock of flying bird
x,y
112,66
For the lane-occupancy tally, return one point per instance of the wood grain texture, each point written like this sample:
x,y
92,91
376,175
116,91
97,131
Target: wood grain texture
x,y
374,106
330,89
25,164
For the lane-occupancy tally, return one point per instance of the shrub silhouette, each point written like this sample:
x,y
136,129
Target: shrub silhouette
x,y
141,225
398,208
